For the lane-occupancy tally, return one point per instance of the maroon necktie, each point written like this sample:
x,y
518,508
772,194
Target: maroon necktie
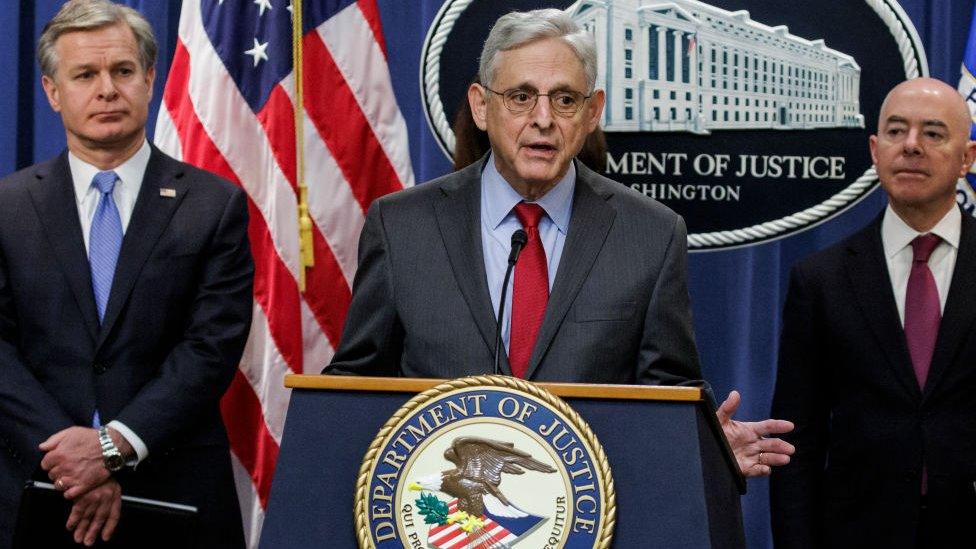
x,y
923,313
530,292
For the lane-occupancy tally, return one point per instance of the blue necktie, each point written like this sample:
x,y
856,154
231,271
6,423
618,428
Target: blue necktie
x,y
104,241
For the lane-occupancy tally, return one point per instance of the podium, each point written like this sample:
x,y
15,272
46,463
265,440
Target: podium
x,y
677,483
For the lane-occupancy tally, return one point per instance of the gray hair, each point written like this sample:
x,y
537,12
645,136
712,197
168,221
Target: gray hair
x,y
90,15
517,29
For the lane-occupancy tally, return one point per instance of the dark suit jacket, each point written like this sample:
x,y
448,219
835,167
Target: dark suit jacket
x,y
863,426
618,311
173,333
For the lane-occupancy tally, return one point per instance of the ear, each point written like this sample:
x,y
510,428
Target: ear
x,y
150,79
873,145
968,158
594,109
52,92
478,102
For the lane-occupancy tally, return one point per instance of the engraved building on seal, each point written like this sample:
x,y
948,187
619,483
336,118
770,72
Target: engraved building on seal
x,y
683,65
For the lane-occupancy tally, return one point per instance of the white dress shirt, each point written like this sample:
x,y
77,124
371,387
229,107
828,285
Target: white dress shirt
x,y
897,236
130,174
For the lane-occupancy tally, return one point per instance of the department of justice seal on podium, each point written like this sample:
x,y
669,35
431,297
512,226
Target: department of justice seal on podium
x,y
485,461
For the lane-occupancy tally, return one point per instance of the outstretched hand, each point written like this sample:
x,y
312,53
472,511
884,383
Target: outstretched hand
x,y
755,453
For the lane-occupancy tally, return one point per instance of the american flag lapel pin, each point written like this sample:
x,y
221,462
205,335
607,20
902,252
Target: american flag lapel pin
x,y
167,193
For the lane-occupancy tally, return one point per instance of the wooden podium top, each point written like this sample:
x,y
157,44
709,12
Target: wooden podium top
x,y
417,385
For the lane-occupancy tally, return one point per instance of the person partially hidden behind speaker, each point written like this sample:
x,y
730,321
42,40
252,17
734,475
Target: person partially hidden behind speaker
x,y
599,293
125,298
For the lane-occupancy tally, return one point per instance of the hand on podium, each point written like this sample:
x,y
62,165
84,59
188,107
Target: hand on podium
x,y
754,451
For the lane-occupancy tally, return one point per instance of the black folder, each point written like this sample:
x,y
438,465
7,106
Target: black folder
x,y
143,523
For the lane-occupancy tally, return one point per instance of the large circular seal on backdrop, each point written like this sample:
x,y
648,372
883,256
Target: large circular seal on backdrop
x,y
485,461
749,118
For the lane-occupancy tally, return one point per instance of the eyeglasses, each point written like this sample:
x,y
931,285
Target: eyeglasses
x,y
564,103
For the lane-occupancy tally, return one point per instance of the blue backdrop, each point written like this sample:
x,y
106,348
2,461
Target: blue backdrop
x,y
737,295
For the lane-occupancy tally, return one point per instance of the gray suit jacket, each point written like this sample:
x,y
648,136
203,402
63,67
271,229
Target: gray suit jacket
x,y
618,312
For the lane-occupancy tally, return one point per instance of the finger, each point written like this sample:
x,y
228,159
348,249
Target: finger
x,y
76,489
113,517
80,530
757,471
778,446
77,511
775,460
774,426
729,407
51,441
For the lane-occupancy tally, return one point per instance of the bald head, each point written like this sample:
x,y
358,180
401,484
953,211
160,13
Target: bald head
x,y
929,91
921,149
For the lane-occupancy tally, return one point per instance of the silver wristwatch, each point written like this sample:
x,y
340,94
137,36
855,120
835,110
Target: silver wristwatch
x,y
110,453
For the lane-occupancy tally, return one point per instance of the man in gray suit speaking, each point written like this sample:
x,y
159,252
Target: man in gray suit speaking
x,y
599,293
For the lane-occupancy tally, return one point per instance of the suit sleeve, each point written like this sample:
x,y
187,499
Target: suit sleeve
x,y
372,340
199,368
28,413
796,490
668,355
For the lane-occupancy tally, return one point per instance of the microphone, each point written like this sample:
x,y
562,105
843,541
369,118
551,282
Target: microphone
x,y
519,239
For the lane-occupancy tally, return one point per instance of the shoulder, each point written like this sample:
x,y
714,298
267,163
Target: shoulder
x,y
630,205
861,242
21,180
421,197
201,181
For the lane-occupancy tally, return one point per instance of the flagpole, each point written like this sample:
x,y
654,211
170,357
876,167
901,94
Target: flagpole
x,y
304,221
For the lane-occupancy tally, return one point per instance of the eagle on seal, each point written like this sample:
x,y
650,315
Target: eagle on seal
x,y
479,464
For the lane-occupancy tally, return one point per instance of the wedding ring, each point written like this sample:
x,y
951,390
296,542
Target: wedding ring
x,y
59,484
760,457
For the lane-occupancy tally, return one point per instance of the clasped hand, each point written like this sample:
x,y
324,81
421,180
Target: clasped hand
x,y
73,461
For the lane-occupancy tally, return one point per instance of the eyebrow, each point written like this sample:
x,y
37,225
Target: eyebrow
x,y
895,119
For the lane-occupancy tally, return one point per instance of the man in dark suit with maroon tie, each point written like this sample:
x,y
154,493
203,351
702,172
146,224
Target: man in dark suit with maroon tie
x,y
877,364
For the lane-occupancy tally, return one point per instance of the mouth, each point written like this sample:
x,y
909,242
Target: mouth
x,y
912,172
108,115
541,149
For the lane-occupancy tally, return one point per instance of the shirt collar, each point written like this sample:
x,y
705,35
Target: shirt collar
x,y
896,234
500,197
130,172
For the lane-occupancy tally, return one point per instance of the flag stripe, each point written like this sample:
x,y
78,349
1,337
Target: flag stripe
x,y
363,65
371,13
249,438
341,124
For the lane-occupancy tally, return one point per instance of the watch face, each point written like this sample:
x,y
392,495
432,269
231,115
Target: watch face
x,y
114,462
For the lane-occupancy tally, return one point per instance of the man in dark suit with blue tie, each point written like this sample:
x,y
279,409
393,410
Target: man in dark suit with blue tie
x,y
877,365
125,297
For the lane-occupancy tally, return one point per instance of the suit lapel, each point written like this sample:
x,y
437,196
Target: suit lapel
x,y
871,285
458,211
54,200
960,308
150,216
589,224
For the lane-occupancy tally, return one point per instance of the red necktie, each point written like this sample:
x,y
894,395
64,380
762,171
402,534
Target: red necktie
x,y
923,313
530,292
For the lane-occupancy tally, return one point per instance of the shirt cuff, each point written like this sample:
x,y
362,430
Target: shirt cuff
x,y
142,452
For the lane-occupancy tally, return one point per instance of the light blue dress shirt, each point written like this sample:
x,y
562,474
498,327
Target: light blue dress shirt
x,y
498,222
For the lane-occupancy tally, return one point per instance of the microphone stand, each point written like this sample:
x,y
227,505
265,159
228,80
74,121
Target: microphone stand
x,y
519,239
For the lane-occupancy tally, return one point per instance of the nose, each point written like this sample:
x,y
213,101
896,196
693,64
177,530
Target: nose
x,y
912,144
542,115
106,87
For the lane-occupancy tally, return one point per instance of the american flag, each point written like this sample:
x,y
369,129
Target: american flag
x,y
228,107
450,536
